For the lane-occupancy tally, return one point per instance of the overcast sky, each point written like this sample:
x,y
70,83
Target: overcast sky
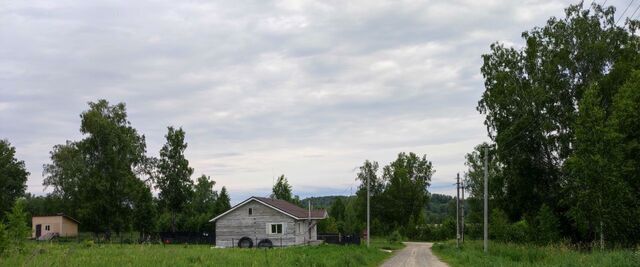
x,y
309,89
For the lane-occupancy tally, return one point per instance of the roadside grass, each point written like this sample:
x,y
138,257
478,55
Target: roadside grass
x,y
506,254
79,254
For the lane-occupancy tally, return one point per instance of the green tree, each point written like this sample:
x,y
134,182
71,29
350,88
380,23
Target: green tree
x,y
174,174
337,210
203,205
17,228
223,203
144,211
98,174
595,190
625,123
531,95
282,189
13,177
406,195
5,242
547,226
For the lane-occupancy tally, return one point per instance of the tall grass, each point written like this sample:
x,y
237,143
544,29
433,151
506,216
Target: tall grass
x,y
508,254
87,254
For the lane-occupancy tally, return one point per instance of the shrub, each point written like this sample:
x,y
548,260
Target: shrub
x,y
546,226
4,238
17,229
394,237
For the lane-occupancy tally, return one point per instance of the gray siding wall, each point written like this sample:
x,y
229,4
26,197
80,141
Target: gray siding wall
x,y
238,224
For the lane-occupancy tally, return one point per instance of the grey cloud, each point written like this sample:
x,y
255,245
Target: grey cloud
x,y
306,88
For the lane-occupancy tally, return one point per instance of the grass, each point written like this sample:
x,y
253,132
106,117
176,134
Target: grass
x,y
503,254
81,254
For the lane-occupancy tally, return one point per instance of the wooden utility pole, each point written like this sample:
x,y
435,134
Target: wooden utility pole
x,y
368,214
486,199
458,211
462,211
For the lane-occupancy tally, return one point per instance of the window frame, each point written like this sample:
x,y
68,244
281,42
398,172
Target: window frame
x,y
250,211
47,227
270,228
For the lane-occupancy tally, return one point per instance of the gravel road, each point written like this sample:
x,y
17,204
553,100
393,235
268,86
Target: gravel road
x,y
413,255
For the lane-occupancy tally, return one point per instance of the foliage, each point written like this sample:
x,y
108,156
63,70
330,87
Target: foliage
x,y
13,177
399,195
5,241
547,226
223,204
174,174
562,113
510,254
97,176
72,254
337,210
282,189
17,229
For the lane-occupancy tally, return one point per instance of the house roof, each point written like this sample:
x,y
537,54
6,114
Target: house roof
x,y
287,208
56,215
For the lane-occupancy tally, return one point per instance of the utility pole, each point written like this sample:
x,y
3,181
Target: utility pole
x,y
462,212
486,199
368,213
458,211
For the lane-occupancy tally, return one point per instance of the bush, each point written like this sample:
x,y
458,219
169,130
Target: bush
x,y
394,237
4,238
546,226
17,229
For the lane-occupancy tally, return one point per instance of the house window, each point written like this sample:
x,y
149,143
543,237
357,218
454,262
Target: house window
x,y
276,228
47,227
250,211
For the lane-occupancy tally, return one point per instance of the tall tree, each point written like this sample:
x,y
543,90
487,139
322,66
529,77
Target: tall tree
x,y
203,205
98,173
337,209
406,194
174,174
13,177
282,189
531,97
223,203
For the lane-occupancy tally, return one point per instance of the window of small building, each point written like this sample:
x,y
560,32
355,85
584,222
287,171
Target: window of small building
x,y
250,211
47,227
276,228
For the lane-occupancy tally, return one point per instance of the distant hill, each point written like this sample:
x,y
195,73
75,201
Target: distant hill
x,y
323,202
439,207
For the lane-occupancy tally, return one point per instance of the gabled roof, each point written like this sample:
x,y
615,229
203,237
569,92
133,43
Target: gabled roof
x,y
282,206
56,215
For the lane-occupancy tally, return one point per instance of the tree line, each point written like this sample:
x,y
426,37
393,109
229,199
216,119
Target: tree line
x,y
563,116
106,180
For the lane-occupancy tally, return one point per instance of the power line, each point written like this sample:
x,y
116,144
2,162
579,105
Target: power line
x,y
625,11
634,12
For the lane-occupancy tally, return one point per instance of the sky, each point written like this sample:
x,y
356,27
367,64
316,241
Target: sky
x,y
309,89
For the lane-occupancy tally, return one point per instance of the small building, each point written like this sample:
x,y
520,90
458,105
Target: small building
x,y
260,221
57,224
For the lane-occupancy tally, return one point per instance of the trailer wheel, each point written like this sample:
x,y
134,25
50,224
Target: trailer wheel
x,y
245,242
265,243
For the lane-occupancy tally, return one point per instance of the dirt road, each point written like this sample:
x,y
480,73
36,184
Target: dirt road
x,y
415,254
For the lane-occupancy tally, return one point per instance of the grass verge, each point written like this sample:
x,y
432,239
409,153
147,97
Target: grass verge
x,y
504,254
78,254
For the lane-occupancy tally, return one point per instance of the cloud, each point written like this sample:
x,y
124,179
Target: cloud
x,y
306,88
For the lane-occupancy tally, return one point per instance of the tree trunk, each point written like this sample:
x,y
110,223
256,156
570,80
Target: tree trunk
x,y
601,235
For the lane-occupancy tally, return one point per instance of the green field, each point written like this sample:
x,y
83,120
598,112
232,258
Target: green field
x,y
501,254
79,254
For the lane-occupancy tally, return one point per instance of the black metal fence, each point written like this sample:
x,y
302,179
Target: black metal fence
x,y
340,239
187,238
